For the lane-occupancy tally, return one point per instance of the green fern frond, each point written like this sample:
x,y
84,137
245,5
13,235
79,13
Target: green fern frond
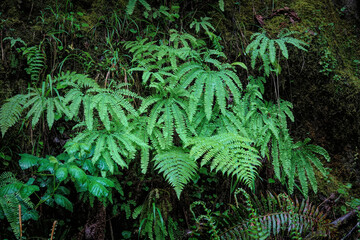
x,y
75,80
215,84
230,154
130,7
303,158
177,166
183,38
283,48
12,194
11,111
264,48
116,146
36,60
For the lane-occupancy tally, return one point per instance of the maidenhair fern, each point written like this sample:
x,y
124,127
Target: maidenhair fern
x,y
114,147
304,157
264,48
254,117
208,84
169,112
38,100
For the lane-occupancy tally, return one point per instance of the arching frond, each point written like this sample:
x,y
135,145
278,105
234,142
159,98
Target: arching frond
x,y
230,154
177,166
11,111
116,146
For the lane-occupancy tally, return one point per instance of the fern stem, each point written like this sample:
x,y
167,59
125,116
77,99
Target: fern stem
x,y
53,230
20,222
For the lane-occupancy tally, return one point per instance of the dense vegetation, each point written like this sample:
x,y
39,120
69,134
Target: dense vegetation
x,y
137,120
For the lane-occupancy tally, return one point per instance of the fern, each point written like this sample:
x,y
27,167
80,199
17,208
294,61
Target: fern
x,y
276,215
11,111
221,5
271,216
203,23
254,117
168,112
36,60
264,48
177,167
153,215
110,104
12,194
114,147
38,100
131,6
304,157
230,154
215,84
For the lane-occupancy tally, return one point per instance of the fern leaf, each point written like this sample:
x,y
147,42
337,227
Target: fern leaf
x,y
38,109
272,51
113,148
11,111
75,97
177,166
254,55
269,217
230,154
50,112
130,7
283,47
263,45
232,81
180,117
103,112
255,43
145,4
221,5
98,150
209,95
144,160
154,116
296,42
88,112
168,130
195,97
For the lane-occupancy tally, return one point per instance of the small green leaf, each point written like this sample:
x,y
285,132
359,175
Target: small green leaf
x,y
221,5
27,190
77,173
28,161
63,201
241,64
97,189
61,173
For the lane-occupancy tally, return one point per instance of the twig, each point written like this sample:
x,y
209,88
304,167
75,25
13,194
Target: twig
x,y
111,231
347,235
345,217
